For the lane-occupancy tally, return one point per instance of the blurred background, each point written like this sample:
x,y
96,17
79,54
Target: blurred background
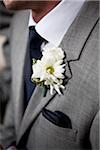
x,y
5,65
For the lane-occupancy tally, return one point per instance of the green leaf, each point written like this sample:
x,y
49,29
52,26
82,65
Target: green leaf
x,y
44,89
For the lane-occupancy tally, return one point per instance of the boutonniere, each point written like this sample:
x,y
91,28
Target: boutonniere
x,y
48,72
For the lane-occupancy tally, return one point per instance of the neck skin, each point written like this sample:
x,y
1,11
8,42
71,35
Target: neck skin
x,y
43,9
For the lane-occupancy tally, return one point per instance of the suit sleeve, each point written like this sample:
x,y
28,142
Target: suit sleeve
x,y
94,132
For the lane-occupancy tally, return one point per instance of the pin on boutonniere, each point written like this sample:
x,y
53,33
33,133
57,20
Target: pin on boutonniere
x,y
48,72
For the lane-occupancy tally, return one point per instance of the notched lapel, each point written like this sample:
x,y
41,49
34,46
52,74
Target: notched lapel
x,y
72,44
79,32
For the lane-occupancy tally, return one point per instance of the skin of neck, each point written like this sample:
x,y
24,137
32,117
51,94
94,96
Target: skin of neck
x,y
39,8
45,8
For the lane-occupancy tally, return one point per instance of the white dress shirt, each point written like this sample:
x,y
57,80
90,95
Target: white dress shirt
x,y
56,23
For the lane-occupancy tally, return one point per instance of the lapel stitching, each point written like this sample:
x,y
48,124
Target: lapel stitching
x,y
81,52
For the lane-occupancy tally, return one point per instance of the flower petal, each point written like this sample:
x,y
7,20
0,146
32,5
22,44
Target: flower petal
x,y
57,89
51,89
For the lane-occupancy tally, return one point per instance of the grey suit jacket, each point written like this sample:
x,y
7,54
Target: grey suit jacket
x,y
80,100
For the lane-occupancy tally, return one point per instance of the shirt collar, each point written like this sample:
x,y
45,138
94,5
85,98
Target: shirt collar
x,y
55,24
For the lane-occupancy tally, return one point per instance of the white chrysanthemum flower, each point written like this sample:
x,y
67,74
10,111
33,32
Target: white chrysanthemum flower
x,y
50,69
57,85
37,69
56,52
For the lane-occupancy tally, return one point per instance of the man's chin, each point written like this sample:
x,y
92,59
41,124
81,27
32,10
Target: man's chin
x,y
16,4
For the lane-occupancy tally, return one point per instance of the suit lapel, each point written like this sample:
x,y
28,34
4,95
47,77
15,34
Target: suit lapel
x,y
36,104
79,32
73,45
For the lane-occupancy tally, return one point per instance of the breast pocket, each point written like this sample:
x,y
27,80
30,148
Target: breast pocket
x,y
54,137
